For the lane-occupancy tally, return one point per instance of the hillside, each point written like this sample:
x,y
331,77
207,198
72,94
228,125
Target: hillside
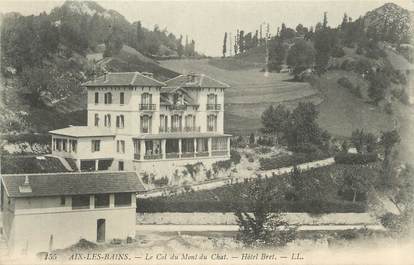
x,y
45,58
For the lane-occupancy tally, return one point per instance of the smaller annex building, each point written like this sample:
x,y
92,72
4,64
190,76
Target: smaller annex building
x,y
48,211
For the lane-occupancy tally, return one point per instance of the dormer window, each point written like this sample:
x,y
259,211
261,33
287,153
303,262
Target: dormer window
x,y
108,98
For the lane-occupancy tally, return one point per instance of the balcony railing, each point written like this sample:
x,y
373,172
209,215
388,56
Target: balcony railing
x,y
150,107
179,129
213,107
172,155
152,157
202,154
178,107
212,129
219,152
189,154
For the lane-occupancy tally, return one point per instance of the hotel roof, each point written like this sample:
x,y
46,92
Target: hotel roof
x,y
83,131
57,184
124,79
195,80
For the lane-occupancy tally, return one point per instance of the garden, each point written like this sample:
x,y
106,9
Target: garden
x,y
322,190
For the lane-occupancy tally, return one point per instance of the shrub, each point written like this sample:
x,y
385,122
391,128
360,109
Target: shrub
x,y
391,221
235,157
221,165
263,150
161,182
348,158
345,82
338,52
290,160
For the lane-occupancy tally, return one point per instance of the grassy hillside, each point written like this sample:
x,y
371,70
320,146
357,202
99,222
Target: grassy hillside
x,y
250,92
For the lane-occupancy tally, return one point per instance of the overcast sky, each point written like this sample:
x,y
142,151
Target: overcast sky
x,y
206,21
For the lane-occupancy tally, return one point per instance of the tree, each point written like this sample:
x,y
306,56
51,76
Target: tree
x,y
262,227
140,36
378,85
252,139
275,120
277,54
225,44
363,141
325,20
180,48
325,41
241,42
344,21
357,180
301,56
388,140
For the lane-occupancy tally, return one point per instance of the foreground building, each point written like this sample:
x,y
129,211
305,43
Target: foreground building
x,y
137,123
41,212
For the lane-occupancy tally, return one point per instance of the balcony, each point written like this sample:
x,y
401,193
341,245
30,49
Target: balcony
x,y
172,155
178,107
214,107
179,129
202,154
189,154
147,107
152,157
219,152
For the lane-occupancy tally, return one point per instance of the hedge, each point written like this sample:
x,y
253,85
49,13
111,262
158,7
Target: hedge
x,y
354,159
290,160
154,205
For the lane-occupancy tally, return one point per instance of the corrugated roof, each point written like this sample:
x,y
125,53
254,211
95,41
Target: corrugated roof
x,y
57,184
124,79
83,131
199,80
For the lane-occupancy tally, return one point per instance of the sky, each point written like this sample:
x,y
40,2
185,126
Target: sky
x,y
206,21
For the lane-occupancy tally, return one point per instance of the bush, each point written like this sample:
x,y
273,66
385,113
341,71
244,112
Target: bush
x,y
345,82
290,160
338,52
353,159
235,157
391,221
263,150
221,165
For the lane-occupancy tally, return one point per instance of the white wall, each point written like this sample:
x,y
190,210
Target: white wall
x,y
32,227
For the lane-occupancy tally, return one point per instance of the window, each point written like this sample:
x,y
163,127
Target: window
x,y
202,145
176,123
102,201
219,144
120,121
96,119
121,165
64,145
163,123
211,123
212,99
120,146
108,98
187,145
121,98
108,120
58,144
73,146
146,124
62,200
146,99
122,199
190,122
80,202
96,97
96,145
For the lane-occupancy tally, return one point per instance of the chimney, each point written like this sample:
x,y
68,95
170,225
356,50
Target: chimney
x,y
25,187
148,74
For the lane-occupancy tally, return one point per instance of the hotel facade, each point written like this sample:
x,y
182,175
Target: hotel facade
x,y
137,123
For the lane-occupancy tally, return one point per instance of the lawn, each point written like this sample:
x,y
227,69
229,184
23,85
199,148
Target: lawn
x,y
250,92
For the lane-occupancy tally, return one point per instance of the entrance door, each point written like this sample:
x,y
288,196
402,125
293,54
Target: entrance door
x,y
100,230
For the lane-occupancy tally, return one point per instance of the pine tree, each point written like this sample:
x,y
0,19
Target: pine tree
x,y
241,42
225,44
325,20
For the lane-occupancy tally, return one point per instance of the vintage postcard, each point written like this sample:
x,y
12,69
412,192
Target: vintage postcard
x,y
206,132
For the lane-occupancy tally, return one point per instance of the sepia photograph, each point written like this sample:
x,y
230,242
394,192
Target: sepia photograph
x,y
207,132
